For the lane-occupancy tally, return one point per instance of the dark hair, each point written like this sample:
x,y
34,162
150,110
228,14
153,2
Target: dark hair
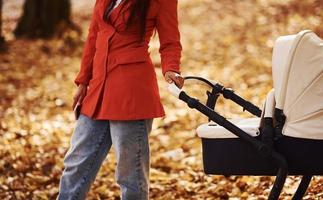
x,y
138,13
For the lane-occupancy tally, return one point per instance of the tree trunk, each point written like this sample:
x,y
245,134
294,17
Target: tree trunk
x,y
41,18
1,37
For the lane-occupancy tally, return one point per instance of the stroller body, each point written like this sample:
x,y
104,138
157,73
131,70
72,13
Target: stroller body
x,y
286,138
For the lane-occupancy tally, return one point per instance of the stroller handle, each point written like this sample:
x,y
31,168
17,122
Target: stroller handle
x,y
216,90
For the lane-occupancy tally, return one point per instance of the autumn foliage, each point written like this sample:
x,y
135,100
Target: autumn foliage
x,y
226,40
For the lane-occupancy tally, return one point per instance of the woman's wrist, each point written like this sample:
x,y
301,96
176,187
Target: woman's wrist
x,y
171,76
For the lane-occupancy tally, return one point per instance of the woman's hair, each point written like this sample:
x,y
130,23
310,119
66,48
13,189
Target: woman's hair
x,y
138,13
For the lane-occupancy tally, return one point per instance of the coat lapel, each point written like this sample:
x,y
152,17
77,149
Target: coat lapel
x,y
117,12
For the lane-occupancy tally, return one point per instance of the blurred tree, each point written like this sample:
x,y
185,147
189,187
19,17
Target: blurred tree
x,y
1,37
43,18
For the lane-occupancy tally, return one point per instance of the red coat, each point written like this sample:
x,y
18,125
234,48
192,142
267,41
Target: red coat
x,y
117,67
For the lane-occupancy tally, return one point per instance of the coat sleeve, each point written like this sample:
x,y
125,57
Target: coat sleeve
x,y
169,36
85,72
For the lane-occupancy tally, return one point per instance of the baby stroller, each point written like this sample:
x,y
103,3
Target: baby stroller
x,y
286,138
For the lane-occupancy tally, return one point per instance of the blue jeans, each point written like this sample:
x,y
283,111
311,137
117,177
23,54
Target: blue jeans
x,y
89,146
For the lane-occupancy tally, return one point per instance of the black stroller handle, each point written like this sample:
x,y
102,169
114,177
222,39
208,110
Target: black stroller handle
x,y
229,94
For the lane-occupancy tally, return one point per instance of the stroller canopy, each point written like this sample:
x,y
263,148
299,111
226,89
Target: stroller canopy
x,y
298,81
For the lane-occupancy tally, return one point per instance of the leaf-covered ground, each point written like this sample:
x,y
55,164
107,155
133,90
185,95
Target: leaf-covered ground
x,y
227,41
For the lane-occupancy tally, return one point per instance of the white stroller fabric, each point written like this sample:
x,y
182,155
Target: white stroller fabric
x,y
212,130
248,125
298,82
298,90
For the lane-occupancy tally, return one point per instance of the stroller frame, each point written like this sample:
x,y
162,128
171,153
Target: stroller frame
x,y
263,148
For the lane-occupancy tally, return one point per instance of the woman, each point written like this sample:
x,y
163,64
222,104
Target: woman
x,y
118,91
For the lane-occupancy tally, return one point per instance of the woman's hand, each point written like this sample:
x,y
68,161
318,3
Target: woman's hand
x,y
171,77
79,95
